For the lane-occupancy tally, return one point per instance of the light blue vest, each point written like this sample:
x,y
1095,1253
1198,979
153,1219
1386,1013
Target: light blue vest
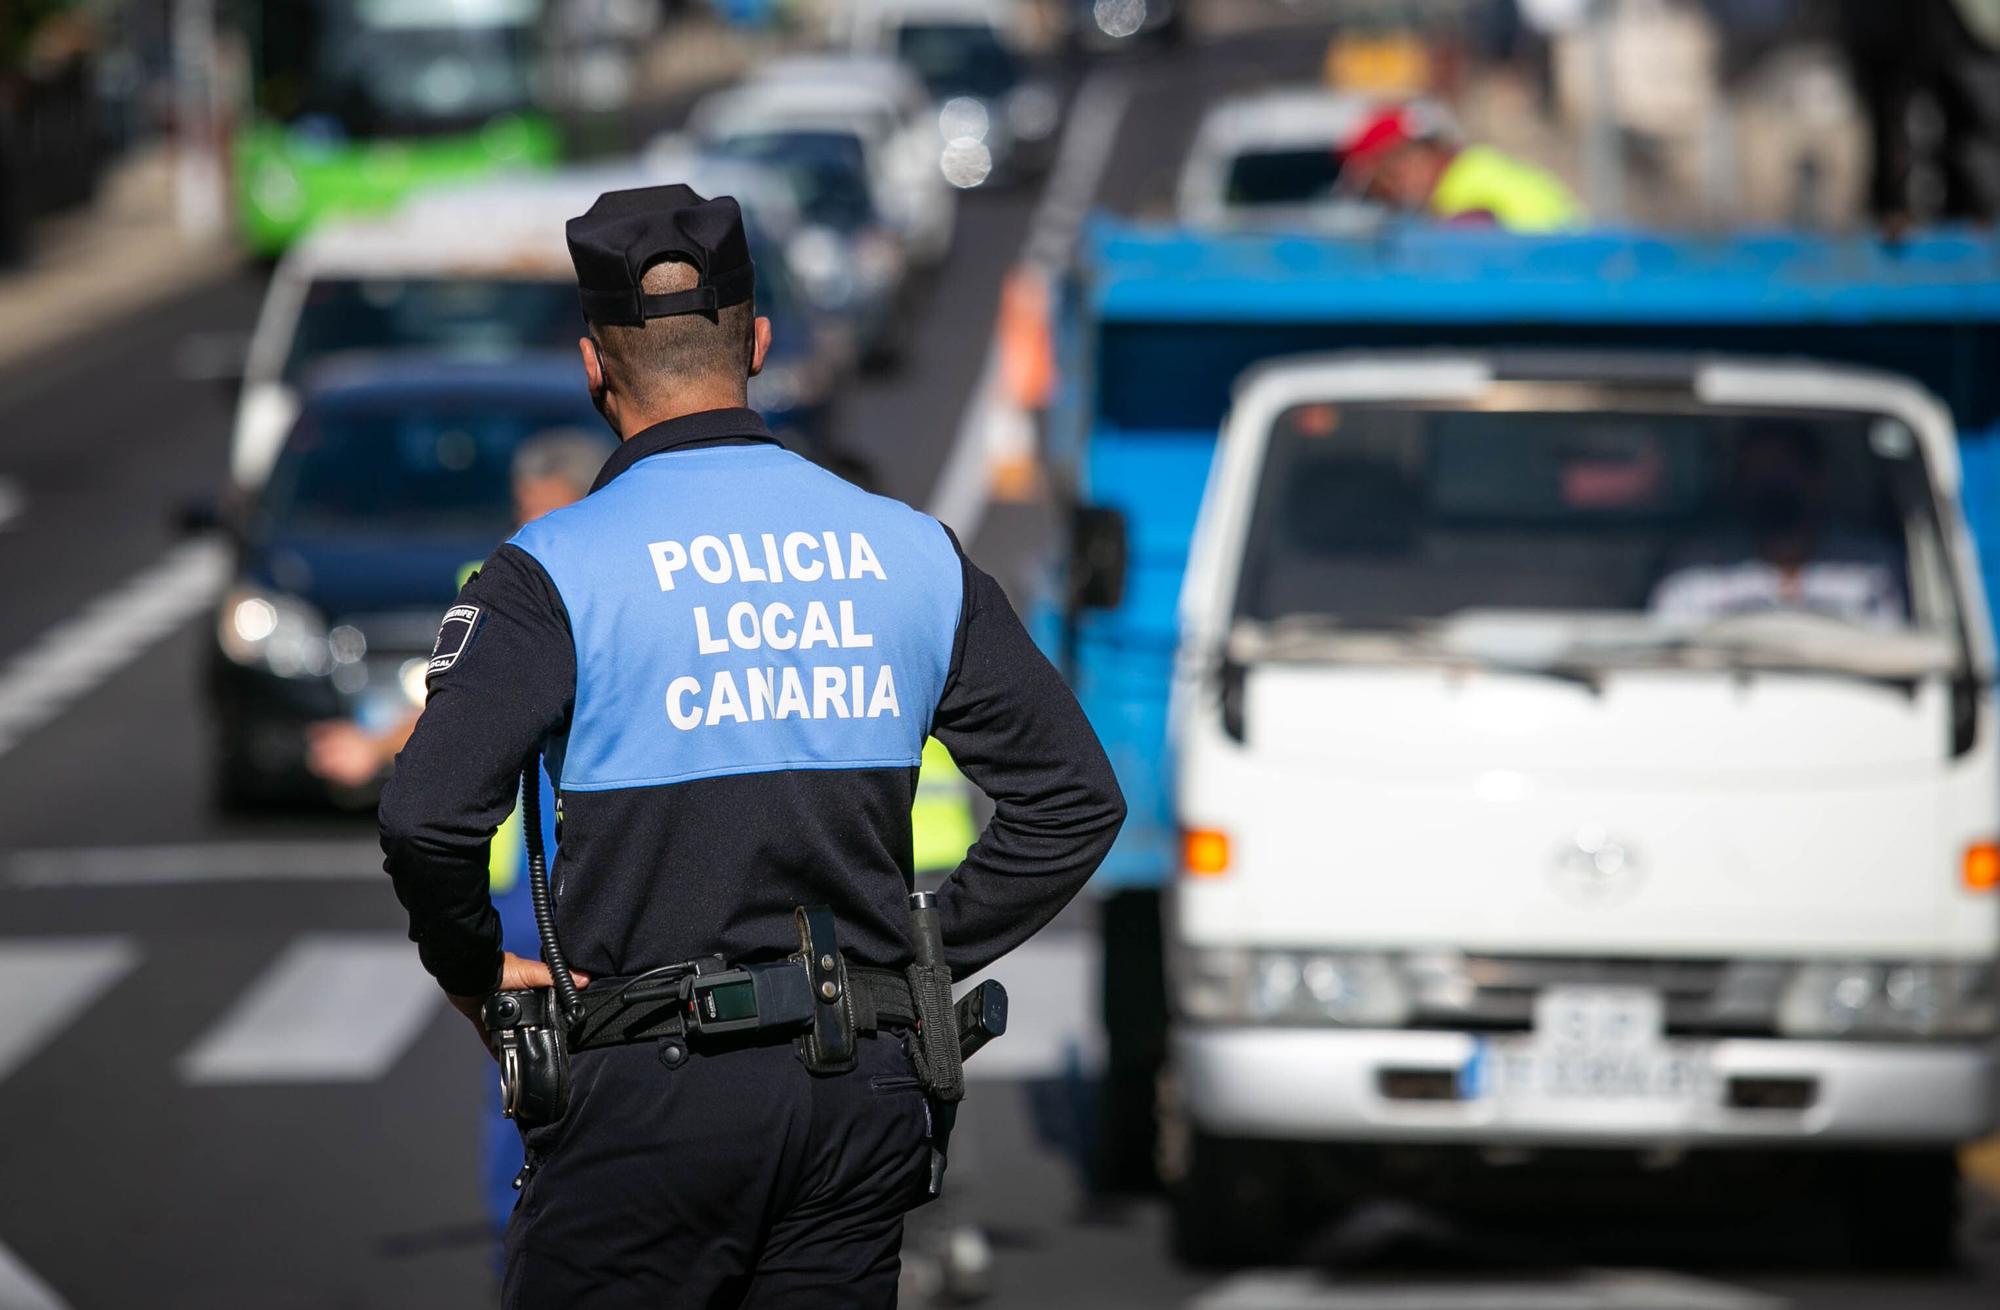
x,y
737,609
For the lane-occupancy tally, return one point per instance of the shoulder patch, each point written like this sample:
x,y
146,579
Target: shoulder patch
x,y
454,635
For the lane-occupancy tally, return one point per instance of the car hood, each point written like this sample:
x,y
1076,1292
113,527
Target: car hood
x,y
346,575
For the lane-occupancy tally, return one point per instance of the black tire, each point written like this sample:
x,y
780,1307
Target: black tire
x,y
1134,998
1235,1205
1901,1208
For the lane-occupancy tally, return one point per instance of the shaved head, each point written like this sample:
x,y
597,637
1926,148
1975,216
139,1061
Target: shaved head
x,y
682,351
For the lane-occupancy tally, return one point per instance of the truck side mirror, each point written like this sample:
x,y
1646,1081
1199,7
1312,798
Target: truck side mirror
x,y
1097,558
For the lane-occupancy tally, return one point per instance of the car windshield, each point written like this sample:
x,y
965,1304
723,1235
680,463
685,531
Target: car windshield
x,y
1665,528
1283,177
473,316
422,466
828,172
958,59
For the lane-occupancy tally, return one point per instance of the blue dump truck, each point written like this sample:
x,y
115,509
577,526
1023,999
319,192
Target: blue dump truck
x,y
1585,943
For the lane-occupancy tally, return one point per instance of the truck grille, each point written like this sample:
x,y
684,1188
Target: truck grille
x,y
1497,992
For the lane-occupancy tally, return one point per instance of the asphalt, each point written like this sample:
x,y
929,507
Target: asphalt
x,y
152,1161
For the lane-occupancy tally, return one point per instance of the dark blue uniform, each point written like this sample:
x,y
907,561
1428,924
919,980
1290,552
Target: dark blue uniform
x,y
730,660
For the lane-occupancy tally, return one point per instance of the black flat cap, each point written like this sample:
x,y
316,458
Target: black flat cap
x,y
627,232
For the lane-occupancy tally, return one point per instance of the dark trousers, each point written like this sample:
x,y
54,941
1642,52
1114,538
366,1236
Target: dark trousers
x,y
736,1179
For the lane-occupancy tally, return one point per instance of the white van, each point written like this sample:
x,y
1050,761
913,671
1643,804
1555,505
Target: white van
x,y
479,269
1589,752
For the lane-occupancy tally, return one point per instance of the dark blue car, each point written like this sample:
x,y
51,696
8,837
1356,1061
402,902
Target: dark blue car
x,y
396,477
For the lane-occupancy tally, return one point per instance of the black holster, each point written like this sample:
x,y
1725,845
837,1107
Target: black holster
x,y
531,1041
828,1045
940,1066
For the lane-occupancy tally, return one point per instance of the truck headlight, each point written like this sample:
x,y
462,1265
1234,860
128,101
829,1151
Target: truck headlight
x,y
1293,987
264,629
1915,998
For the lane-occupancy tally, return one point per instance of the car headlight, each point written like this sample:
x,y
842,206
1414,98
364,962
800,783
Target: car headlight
x,y
262,629
818,258
1292,987
1032,111
963,118
966,163
1913,998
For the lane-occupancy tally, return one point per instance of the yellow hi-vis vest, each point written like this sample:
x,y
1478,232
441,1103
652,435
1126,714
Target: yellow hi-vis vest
x,y
1518,196
941,828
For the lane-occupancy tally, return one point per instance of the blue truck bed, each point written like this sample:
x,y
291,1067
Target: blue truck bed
x,y
1158,324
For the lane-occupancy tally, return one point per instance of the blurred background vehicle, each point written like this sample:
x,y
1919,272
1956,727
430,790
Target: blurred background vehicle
x,y
1182,328
874,99
481,271
987,93
848,261
1274,160
395,474
358,103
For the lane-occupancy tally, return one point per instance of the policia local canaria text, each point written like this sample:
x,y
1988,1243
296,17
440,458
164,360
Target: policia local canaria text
x,y
818,691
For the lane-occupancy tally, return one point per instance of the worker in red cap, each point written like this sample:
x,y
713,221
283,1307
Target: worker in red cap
x,y
1406,159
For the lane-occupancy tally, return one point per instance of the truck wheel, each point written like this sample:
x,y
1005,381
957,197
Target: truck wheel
x,y
1233,1205
1901,1209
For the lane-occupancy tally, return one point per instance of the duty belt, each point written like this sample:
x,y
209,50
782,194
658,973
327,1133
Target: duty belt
x,y
709,998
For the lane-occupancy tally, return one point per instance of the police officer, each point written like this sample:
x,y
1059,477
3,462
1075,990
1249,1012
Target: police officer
x,y
729,660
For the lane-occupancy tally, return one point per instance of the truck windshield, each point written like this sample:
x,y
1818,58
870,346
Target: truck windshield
x,y
1283,177
458,315
1382,516
426,467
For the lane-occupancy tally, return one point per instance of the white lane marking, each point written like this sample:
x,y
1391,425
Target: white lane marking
x,y
1082,157
12,502
1637,1289
1052,1027
989,422
959,501
334,1007
49,981
79,654
20,1289
199,862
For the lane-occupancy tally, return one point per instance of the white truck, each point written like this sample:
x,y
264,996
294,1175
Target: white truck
x,y
1580,757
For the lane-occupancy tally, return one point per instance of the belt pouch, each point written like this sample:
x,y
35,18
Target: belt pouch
x,y
828,1045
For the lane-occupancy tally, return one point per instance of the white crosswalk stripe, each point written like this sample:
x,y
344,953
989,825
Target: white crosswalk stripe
x,y
333,1007
1634,1289
48,982
20,1289
343,1007
194,862
75,657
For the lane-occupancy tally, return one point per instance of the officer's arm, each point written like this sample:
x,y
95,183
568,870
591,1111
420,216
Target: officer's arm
x,y
1015,730
509,688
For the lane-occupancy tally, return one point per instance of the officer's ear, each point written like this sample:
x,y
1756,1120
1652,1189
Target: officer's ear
x,y
593,366
760,344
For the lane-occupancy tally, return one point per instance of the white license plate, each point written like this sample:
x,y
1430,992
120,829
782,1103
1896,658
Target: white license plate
x,y
1592,1044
